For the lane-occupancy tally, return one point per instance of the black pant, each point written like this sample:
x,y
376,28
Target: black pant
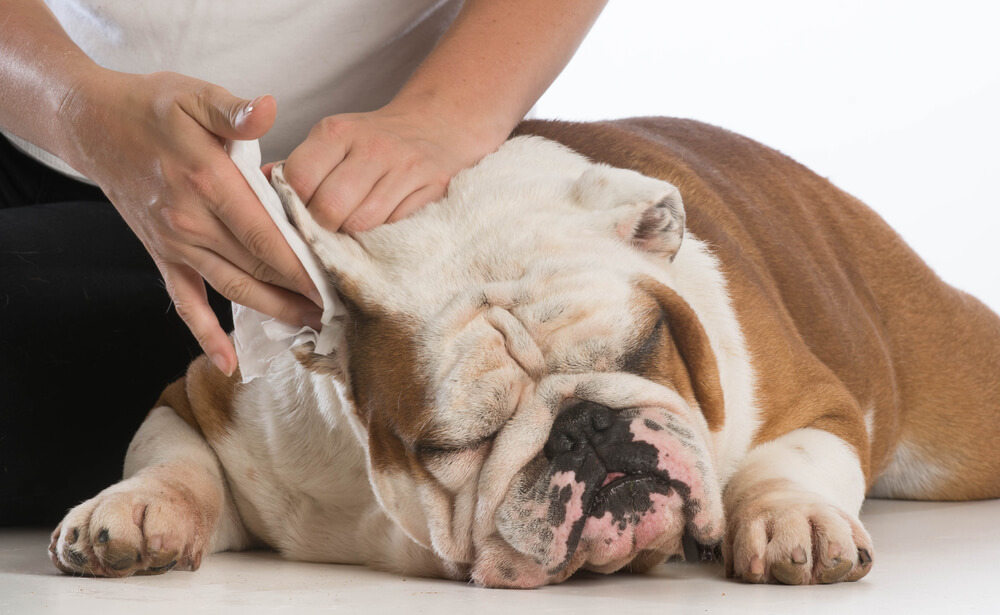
x,y
88,340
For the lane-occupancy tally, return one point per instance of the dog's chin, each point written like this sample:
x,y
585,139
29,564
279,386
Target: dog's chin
x,y
603,552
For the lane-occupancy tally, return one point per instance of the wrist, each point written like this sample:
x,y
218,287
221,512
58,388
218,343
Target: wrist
x,y
81,110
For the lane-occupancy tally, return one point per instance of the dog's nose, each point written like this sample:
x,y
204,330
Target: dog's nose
x,y
578,425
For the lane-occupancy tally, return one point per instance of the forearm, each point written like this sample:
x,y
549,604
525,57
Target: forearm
x,y
496,60
40,68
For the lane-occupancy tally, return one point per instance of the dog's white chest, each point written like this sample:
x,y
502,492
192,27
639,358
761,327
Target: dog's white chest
x,y
298,478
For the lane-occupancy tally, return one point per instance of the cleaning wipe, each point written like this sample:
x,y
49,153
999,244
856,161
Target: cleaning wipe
x,y
260,338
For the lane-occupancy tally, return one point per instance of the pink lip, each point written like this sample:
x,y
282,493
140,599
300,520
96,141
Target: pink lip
x,y
612,476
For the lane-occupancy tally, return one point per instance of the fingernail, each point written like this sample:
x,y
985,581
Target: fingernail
x,y
221,363
253,103
247,110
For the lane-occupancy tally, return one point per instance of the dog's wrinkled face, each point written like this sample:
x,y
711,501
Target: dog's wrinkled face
x,y
533,396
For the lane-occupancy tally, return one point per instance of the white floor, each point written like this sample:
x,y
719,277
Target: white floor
x,y
930,558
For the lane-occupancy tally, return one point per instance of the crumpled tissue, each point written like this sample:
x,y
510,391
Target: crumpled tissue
x,y
260,338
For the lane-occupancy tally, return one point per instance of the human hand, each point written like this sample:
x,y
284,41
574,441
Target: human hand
x,y
154,144
356,171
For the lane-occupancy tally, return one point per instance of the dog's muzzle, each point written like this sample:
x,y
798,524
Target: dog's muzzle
x,y
608,485
618,473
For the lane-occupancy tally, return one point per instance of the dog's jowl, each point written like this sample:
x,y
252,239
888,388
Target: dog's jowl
x,y
605,338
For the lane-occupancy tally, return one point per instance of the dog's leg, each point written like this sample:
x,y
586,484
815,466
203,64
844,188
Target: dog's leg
x,y
792,512
171,508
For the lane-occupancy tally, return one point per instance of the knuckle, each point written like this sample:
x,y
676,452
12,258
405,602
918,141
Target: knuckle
x,y
205,94
295,177
329,216
441,179
330,204
237,288
412,164
200,180
262,271
178,222
258,242
186,311
333,128
161,88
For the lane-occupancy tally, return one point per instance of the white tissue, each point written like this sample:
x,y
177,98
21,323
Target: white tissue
x,y
260,338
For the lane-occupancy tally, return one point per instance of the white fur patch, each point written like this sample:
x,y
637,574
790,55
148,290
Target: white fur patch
x,y
911,474
815,460
697,277
869,414
164,438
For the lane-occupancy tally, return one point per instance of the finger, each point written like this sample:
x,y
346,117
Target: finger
x,y
187,289
384,197
266,170
310,163
202,229
229,116
417,201
343,190
236,285
241,212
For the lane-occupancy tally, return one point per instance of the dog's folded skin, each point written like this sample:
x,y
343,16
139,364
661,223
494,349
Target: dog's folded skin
x,y
561,366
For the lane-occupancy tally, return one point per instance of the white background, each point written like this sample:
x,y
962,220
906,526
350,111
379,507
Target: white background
x,y
896,102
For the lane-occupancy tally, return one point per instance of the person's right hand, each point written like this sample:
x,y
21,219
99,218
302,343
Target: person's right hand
x,y
154,144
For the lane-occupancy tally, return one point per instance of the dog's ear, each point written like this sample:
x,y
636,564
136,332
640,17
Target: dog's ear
x,y
693,345
349,268
645,212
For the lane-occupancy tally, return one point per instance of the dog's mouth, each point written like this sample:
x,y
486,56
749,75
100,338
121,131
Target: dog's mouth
x,y
619,490
625,515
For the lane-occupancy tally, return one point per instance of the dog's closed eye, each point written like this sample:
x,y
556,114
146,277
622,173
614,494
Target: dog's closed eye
x,y
637,360
432,449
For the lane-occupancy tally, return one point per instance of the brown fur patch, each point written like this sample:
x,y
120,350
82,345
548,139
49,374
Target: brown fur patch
x,y
203,397
390,390
321,364
175,396
680,356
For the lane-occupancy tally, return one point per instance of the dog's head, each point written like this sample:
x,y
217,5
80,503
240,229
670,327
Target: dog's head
x,y
533,396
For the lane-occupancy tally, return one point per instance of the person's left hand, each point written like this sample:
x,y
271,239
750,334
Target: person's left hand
x,y
356,171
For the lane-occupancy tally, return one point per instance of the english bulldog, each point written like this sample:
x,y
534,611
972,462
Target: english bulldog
x,y
562,366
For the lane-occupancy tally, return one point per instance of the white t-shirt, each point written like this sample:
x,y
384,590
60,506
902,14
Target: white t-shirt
x,y
316,57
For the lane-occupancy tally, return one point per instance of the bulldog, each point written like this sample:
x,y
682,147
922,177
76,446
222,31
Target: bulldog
x,y
561,366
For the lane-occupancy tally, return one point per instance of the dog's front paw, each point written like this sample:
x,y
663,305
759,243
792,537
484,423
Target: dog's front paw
x,y
143,525
778,533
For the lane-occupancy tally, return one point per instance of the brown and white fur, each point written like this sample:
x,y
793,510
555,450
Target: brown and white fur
x,y
561,366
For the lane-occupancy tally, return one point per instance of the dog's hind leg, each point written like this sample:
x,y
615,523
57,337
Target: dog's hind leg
x,y
949,428
172,507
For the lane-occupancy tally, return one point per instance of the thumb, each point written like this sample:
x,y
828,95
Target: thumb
x,y
231,117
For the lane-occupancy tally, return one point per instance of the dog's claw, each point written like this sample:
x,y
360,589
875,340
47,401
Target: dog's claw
x,y
836,572
789,573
